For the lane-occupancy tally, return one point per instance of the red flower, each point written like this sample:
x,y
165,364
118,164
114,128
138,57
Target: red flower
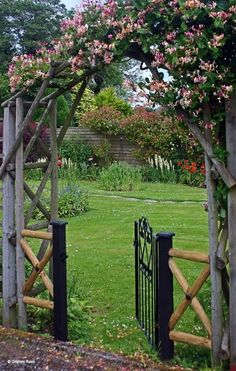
x,y
59,161
202,169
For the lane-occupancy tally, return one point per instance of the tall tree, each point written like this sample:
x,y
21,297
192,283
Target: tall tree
x,y
26,23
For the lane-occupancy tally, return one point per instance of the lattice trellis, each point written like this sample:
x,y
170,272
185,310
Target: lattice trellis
x,y
17,225
190,299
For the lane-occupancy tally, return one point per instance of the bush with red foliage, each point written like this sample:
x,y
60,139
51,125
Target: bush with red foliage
x,y
36,152
156,134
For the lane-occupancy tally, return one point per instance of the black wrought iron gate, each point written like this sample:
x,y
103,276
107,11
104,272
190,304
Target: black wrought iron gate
x,y
153,286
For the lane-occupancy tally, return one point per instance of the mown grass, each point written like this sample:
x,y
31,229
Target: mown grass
x,y
101,263
101,257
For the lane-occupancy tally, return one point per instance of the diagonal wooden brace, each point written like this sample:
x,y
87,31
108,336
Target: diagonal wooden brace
x,y
38,193
190,294
25,123
38,268
195,302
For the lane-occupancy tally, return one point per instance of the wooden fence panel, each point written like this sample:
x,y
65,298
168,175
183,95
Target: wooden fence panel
x,y
121,149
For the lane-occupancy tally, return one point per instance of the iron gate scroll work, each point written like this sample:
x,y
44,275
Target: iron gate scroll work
x,y
153,286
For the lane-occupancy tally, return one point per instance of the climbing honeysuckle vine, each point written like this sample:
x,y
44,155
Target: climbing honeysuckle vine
x,y
193,41
189,47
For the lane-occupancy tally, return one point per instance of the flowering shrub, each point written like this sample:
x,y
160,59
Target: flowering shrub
x,y
191,173
104,120
155,134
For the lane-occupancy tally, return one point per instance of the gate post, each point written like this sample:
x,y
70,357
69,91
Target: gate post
x,y
59,280
136,254
9,250
165,294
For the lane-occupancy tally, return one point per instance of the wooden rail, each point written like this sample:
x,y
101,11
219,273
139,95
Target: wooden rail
x,y
36,234
189,255
47,304
184,337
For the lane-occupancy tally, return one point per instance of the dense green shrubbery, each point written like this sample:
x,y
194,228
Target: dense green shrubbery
x,y
120,177
82,160
76,151
109,98
156,174
79,314
62,110
72,201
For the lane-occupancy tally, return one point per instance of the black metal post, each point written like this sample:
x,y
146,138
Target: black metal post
x,y
59,280
155,290
165,295
136,254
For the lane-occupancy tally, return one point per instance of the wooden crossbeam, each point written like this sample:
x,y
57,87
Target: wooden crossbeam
x,y
38,226
38,302
70,85
195,302
36,234
37,272
189,255
183,337
4,104
189,295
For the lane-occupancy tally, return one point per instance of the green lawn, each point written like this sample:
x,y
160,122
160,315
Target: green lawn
x,y
101,259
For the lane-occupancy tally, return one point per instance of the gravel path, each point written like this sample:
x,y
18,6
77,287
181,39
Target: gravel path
x,y
23,351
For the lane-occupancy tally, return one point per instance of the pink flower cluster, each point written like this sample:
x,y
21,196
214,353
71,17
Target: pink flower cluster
x,y
100,33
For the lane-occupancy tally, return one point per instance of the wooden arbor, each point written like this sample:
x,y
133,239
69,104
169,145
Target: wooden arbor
x,y
18,113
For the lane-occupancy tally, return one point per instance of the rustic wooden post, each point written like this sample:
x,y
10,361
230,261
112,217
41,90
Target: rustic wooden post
x,y
231,162
216,282
19,217
9,252
54,174
54,158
